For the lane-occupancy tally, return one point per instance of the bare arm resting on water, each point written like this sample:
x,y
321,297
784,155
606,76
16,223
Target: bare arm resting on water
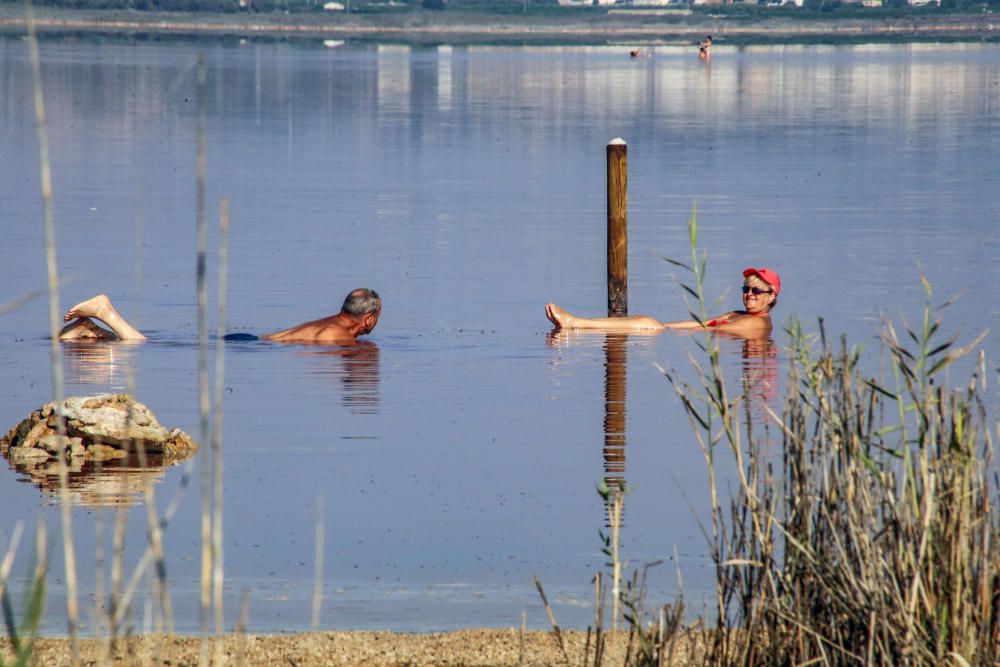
x,y
83,317
759,296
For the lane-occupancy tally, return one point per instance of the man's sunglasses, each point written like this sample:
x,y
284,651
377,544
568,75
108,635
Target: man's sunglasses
x,y
756,290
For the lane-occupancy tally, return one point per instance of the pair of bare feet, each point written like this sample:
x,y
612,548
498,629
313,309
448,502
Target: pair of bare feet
x,y
83,321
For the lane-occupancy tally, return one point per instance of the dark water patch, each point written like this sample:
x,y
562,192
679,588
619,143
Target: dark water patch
x,y
240,337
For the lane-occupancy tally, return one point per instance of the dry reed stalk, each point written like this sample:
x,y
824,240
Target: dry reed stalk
x,y
155,532
115,591
21,300
520,638
616,564
706,406
69,553
109,648
148,554
101,625
207,558
220,349
317,601
121,598
21,636
160,590
240,629
552,620
8,559
598,621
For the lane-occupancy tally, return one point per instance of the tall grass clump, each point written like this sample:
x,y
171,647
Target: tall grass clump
x,y
873,538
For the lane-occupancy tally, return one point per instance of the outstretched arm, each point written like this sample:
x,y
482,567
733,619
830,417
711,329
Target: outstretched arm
x,y
719,320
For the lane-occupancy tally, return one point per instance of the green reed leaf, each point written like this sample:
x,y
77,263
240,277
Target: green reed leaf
x,y
881,390
676,262
940,348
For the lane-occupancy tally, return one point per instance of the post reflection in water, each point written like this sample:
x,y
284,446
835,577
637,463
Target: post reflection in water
x,y
615,396
615,412
107,364
359,370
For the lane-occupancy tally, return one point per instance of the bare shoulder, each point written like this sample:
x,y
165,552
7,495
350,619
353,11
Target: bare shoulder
x,y
333,334
749,324
314,332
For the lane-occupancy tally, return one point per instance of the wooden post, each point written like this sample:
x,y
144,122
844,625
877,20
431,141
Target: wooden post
x,y
617,228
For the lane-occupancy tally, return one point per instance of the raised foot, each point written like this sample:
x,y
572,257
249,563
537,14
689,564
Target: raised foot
x,y
98,307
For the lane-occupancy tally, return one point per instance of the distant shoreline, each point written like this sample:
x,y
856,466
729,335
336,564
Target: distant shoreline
x,y
463,27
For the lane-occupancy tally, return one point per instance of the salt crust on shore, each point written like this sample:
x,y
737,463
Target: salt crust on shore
x,y
463,647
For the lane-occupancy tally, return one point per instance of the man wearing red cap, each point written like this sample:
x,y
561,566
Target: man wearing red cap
x,y
760,294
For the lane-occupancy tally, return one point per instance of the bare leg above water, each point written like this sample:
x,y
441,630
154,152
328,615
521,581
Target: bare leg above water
x,y
564,320
82,326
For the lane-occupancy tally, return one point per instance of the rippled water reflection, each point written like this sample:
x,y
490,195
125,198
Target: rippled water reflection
x,y
458,454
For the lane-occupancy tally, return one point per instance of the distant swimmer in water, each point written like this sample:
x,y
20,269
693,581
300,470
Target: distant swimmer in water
x,y
358,316
760,296
705,48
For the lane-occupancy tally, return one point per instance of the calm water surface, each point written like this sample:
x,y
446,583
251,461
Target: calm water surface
x,y
458,456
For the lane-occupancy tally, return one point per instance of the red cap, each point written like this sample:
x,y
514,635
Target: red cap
x,y
769,276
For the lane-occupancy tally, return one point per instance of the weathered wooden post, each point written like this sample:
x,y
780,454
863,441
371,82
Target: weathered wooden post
x,y
617,228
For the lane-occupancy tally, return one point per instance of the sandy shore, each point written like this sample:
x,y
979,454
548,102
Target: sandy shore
x,y
466,647
451,26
